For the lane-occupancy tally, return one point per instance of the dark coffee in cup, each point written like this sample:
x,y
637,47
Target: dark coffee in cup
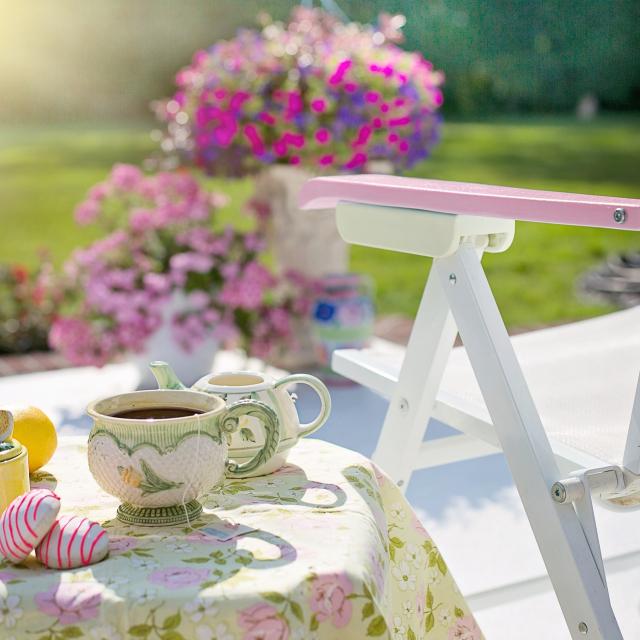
x,y
156,413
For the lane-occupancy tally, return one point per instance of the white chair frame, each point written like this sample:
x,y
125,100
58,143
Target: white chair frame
x,y
458,299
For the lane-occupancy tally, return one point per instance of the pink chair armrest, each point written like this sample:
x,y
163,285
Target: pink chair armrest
x,y
472,199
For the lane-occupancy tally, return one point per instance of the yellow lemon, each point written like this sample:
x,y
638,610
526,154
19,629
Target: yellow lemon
x,y
36,432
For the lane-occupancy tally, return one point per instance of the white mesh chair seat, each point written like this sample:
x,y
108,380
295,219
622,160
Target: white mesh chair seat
x,y
582,377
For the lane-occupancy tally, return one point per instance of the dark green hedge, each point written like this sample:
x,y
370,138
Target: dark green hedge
x,y
524,55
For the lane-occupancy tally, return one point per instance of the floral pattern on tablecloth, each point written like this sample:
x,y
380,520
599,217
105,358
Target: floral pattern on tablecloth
x,y
327,547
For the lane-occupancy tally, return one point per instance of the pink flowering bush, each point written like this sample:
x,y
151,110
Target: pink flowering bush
x,y
314,91
28,300
161,240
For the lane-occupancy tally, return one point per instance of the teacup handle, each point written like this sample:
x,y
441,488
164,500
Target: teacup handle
x,y
271,425
325,400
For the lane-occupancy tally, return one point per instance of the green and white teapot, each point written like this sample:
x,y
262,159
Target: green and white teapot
x,y
232,386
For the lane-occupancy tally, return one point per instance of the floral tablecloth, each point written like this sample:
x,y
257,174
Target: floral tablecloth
x,y
325,548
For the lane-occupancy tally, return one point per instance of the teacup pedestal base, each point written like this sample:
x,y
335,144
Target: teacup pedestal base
x,y
159,516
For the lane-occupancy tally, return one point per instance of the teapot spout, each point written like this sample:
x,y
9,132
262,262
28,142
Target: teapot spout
x,y
165,376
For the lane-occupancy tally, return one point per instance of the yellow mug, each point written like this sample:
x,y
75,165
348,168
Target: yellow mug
x,y
14,473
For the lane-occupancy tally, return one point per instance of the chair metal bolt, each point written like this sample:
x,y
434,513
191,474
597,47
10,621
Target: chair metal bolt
x,y
403,405
452,279
620,215
583,628
558,492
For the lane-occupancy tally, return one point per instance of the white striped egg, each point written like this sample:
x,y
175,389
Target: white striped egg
x,y
26,521
73,541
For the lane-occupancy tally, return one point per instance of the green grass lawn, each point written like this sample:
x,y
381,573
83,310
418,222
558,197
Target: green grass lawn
x,y
44,172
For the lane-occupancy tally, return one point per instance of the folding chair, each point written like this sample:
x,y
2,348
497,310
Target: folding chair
x,y
584,443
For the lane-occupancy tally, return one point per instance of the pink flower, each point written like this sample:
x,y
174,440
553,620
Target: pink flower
x,y
257,145
225,331
329,598
99,191
178,577
142,220
372,96
87,212
230,270
247,290
357,160
318,105
340,72
199,299
157,283
267,118
70,602
465,629
125,176
363,135
254,242
323,135
262,622
191,262
121,544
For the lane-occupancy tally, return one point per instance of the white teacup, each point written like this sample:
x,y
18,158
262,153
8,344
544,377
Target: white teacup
x,y
158,466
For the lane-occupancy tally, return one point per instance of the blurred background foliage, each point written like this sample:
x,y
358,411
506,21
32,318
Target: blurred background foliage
x,y
105,59
77,76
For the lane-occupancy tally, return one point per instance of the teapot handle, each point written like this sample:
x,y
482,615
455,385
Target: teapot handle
x,y
269,419
325,400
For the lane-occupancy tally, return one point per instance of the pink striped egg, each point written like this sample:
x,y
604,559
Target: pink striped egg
x,y
26,521
73,541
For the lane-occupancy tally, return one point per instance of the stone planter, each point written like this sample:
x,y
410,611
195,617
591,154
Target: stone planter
x,y
305,241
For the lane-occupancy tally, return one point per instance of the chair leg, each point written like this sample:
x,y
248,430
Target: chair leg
x,y
569,560
411,405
